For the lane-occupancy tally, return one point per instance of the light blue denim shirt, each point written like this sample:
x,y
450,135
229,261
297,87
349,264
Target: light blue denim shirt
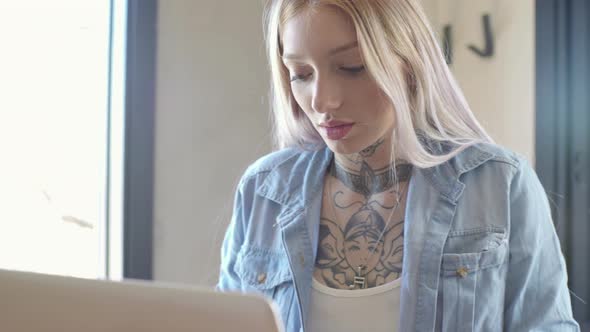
x,y
480,248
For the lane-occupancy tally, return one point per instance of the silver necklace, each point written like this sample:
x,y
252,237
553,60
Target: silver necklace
x,y
360,278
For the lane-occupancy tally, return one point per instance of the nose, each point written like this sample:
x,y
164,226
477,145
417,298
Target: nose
x,y
327,95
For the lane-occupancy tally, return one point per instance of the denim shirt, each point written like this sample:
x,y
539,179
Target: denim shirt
x,y
480,249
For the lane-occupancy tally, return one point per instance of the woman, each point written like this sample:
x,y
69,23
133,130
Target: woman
x,y
387,207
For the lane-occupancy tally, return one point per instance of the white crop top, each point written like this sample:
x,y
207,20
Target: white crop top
x,y
340,310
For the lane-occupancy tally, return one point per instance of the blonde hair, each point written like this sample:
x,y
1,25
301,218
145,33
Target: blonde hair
x,y
392,34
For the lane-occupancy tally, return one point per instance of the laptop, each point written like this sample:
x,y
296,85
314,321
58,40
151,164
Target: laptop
x,y
31,302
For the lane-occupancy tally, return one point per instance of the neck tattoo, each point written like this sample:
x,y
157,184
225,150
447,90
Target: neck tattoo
x,y
369,181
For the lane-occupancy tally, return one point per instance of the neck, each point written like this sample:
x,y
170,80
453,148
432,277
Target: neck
x,y
376,157
371,170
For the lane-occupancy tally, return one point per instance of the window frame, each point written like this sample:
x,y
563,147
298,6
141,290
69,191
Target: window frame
x,y
138,195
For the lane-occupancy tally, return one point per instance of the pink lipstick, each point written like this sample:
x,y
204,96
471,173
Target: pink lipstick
x,y
336,130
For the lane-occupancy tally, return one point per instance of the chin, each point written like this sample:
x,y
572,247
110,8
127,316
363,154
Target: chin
x,y
345,146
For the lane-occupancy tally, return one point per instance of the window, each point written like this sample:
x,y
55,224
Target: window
x,y
61,135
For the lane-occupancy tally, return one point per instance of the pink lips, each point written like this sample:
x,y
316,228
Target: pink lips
x,y
336,130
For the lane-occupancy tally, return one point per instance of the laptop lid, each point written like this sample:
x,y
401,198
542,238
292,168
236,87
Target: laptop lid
x,y
36,302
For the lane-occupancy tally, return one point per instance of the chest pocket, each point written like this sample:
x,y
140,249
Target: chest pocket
x,y
267,273
469,258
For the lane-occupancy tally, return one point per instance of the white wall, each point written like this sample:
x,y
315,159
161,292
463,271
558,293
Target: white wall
x,y
211,119
211,122
501,89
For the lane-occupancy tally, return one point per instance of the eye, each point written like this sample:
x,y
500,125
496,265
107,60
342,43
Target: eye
x,y
353,70
299,77
354,248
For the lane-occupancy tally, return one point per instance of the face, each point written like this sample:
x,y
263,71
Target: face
x,y
358,250
330,83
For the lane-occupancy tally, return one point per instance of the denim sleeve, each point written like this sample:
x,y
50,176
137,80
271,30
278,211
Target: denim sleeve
x,y
232,242
537,297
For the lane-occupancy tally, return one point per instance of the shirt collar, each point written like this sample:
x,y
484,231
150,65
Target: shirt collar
x,y
295,181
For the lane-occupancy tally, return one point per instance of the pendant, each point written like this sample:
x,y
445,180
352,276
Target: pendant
x,y
358,280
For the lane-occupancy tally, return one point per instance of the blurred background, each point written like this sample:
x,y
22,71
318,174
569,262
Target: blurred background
x,y
126,124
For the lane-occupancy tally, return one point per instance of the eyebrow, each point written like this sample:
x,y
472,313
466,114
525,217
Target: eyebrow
x,y
333,51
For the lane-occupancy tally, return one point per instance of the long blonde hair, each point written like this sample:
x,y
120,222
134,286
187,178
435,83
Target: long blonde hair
x,y
427,100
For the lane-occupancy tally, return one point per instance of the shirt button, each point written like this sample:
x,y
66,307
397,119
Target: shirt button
x,y
462,272
261,278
